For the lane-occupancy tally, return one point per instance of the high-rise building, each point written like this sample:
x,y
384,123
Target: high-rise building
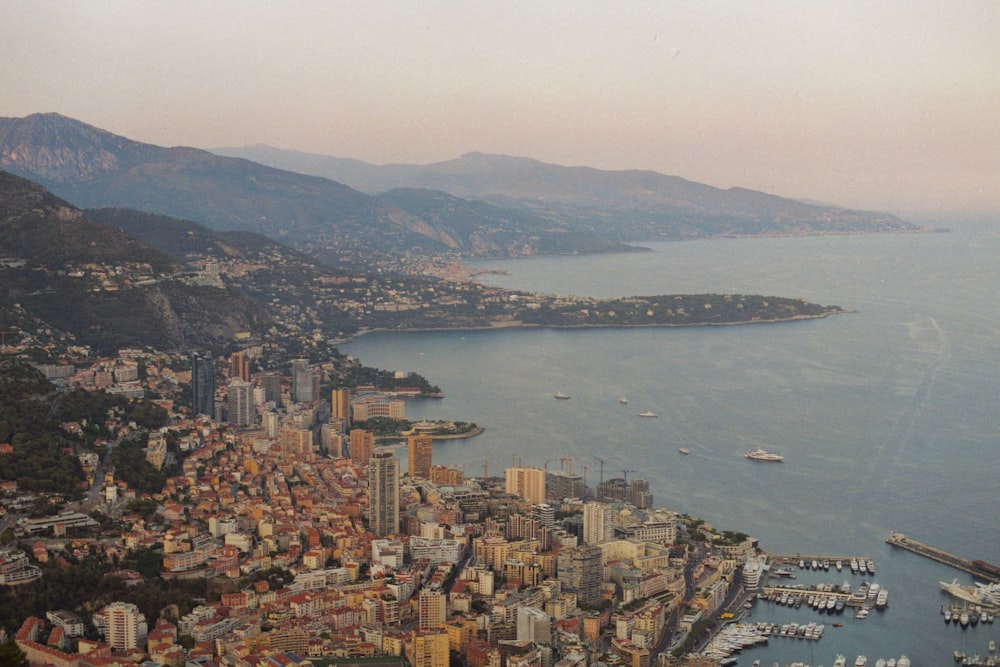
x,y
272,387
560,485
428,648
203,384
297,443
433,607
533,625
239,399
419,450
340,406
579,571
544,514
331,441
302,381
124,626
271,421
383,489
528,483
239,366
598,523
639,494
361,446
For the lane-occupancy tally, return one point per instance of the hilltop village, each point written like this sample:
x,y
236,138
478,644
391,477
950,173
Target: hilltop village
x,y
309,542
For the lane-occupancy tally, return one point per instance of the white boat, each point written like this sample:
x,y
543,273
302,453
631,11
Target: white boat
x,y
561,395
977,594
882,599
903,661
684,450
860,661
763,455
623,400
647,413
840,661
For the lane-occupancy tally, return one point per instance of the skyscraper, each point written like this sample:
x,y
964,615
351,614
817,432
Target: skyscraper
x,y
340,406
124,626
419,453
529,483
239,366
579,571
360,446
428,648
598,523
383,487
272,387
239,397
432,609
302,381
203,384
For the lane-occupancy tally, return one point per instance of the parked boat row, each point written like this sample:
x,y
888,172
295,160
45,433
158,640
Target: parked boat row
x,y
796,630
966,615
976,659
733,638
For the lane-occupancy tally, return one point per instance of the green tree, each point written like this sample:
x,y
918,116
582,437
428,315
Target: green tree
x,y
11,654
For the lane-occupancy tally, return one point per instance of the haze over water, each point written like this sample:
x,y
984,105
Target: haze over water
x,y
886,416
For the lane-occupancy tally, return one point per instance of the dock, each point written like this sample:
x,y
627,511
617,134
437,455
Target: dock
x,y
964,564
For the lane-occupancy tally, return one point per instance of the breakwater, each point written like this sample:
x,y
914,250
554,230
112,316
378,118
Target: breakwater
x,y
940,555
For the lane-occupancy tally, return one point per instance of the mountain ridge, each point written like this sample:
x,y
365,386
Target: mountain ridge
x,y
629,205
93,284
94,168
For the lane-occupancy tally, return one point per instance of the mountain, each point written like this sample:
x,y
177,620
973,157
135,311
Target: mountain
x,y
94,168
622,205
66,278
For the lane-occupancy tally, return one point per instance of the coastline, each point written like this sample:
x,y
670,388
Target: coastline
x,y
517,324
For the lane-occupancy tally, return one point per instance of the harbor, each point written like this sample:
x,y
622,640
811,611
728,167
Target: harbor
x,y
978,568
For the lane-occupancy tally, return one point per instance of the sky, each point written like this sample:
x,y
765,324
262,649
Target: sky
x,y
891,105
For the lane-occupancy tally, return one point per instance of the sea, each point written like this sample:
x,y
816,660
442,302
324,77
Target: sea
x,y
888,416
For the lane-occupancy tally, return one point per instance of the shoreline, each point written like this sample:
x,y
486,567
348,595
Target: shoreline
x,y
528,325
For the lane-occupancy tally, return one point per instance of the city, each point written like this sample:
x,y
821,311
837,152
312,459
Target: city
x,y
316,543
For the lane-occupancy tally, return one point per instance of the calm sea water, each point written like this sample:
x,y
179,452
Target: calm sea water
x,y
887,416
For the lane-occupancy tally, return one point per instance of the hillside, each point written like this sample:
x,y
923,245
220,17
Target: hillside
x,y
96,285
93,168
628,205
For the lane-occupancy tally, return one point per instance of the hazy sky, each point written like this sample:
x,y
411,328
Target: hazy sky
x,y
891,104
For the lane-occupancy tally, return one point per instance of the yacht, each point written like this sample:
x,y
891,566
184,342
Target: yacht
x,y
763,455
860,661
561,395
623,400
684,450
647,413
882,599
840,661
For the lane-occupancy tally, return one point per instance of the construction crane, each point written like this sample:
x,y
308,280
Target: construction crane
x,y
625,476
600,484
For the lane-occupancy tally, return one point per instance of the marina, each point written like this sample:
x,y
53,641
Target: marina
x,y
918,453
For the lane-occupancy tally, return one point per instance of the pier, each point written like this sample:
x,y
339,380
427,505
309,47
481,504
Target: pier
x,y
964,564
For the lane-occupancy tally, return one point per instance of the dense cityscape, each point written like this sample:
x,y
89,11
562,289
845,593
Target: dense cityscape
x,y
311,541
